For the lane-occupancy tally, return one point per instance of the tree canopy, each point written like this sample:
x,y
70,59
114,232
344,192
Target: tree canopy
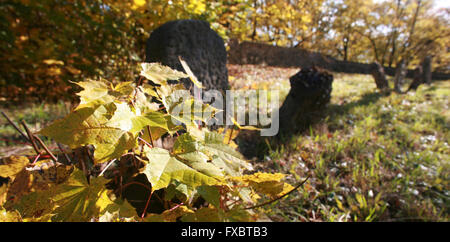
x,y
44,44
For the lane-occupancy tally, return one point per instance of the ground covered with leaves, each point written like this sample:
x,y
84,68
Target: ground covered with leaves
x,y
374,157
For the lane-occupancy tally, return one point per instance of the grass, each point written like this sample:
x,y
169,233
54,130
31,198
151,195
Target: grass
x,y
36,116
374,158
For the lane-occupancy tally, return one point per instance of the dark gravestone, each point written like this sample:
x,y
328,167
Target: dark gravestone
x,y
422,74
310,93
426,68
400,74
417,79
201,47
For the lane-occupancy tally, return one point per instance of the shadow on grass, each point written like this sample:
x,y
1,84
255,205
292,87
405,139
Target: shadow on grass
x,y
252,145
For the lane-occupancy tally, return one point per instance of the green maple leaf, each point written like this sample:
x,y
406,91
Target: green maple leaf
x,y
163,168
42,205
95,92
102,92
184,108
152,119
125,119
187,150
78,200
159,74
211,194
204,214
123,89
12,165
223,156
190,73
119,210
89,125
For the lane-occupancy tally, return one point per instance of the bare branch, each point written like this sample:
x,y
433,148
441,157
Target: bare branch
x,y
30,137
15,126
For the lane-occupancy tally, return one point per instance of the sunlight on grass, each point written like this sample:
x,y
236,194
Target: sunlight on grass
x,y
375,157
35,115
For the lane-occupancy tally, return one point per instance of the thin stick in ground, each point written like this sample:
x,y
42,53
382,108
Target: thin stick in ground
x,y
49,153
15,126
46,148
64,153
30,137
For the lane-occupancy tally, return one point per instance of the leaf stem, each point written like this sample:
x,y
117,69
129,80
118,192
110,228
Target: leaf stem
x,y
49,153
36,159
176,206
145,142
106,168
46,148
150,135
146,205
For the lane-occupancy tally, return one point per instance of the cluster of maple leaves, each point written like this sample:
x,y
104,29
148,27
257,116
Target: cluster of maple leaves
x,y
122,120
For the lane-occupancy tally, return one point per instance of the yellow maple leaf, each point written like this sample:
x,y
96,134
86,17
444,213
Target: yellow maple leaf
x,y
11,166
137,4
54,71
53,62
266,183
73,70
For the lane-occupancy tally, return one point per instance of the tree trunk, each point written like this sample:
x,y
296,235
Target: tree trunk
x,y
393,49
377,72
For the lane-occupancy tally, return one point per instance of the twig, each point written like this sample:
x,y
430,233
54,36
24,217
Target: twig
x,y
141,79
145,142
36,159
146,205
64,153
150,135
46,149
278,198
79,156
15,126
49,153
30,137
176,206
86,158
89,154
142,145
106,168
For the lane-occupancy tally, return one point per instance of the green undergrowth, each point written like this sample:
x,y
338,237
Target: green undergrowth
x,y
35,115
